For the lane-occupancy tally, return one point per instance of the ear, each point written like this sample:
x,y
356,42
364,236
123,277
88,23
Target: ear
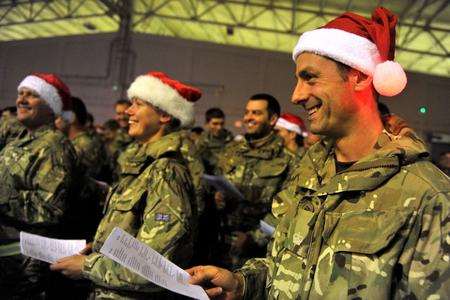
x,y
360,80
165,118
273,120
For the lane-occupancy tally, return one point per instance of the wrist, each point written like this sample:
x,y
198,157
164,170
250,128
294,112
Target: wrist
x,y
240,285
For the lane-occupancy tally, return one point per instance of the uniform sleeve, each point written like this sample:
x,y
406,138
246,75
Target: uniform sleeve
x,y
428,276
166,228
39,194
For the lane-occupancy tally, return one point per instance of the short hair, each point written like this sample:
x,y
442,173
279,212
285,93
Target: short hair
x,y
123,102
299,140
111,124
90,118
273,106
343,69
214,112
79,109
197,130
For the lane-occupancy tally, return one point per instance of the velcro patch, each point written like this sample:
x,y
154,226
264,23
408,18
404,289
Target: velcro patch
x,y
162,217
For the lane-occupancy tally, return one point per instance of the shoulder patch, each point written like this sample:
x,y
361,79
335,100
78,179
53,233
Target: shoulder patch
x,y
162,217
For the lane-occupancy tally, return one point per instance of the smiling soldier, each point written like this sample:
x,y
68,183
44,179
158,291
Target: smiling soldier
x,y
369,214
153,197
35,178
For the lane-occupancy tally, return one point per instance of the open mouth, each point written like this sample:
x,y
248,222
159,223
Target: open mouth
x,y
312,107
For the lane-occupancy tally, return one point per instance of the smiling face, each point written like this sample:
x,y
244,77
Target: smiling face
x,y
32,110
121,117
215,125
144,120
326,96
257,120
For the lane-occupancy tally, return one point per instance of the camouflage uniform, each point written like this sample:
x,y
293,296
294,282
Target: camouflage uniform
x,y
259,172
35,180
210,148
10,129
115,149
91,153
377,230
152,201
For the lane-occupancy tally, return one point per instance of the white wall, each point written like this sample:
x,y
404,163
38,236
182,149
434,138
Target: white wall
x,y
227,75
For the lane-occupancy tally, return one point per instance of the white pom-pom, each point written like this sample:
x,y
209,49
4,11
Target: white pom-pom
x,y
389,79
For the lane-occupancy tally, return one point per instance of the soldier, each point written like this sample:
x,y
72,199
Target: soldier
x,y
370,218
292,130
153,197
258,167
36,177
212,141
122,138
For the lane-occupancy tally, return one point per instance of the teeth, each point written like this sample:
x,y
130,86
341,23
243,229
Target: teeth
x,y
314,109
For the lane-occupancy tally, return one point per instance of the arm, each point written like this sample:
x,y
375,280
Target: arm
x,y
166,228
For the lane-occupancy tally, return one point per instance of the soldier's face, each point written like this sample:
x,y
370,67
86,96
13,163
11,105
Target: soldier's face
x,y
121,117
285,134
32,111
325,95
215,125
256,118
144,121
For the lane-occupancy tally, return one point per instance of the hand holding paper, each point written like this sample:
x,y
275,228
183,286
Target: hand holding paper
x,y
143,260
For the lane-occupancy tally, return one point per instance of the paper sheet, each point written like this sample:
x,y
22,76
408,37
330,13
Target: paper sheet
x,y
131,253
47,249
266,228
223,185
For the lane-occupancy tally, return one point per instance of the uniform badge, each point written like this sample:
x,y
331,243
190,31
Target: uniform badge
x,y
162,217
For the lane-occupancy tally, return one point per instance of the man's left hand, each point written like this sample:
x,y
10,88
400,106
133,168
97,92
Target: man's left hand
x,y
70,266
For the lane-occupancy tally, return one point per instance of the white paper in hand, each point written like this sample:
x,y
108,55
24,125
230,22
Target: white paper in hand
x,y
266,228
47,249
223,185
131,253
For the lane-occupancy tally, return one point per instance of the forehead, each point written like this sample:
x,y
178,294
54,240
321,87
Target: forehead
x,y
216,120
28,90
314,62
121,107
257,104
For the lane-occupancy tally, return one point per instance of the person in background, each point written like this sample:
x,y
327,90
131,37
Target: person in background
x,y
293,131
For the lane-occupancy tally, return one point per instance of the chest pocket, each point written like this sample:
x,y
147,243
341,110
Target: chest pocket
x,y
269,178
364,232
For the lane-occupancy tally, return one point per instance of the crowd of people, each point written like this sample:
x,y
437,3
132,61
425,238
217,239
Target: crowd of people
x,y
351,208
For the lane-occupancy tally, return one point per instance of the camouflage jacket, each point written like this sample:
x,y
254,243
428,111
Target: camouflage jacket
x,y
258,173
377,230
10,129
120,143
152,201
91,153
196,169
35,178
210,148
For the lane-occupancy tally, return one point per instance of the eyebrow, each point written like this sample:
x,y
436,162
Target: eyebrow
x,y
305,74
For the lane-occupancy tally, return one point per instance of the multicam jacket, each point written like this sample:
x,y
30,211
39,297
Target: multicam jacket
x,y
258,173
152,201
91,153
377,230
210,148
36,175
10,129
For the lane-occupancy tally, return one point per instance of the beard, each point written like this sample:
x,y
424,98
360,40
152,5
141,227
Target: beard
x,y
261,132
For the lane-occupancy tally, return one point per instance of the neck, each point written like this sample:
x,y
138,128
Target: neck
x,y
158,135
74,131
361,137
292,146
256,141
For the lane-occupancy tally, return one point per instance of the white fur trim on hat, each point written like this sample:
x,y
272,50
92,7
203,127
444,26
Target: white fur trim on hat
x,y
46,91
283,123
345,47
163,96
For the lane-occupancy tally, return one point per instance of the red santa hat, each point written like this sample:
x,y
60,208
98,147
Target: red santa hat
x,y
292,122
170,95
365,45
50,88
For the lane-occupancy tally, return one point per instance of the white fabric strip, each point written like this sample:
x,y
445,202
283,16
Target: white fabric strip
x,y
288,125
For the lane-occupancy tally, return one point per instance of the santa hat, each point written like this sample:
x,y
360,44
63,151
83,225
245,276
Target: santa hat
x,y
365,45
293,123
169,95
50,88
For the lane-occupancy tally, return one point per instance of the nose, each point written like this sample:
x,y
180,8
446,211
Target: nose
x,y
301,92
129,111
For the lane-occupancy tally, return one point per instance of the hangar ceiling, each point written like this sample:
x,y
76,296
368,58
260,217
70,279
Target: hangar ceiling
x,y
423,42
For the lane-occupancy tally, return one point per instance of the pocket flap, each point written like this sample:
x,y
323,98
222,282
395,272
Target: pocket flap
x,y
129,202
364,232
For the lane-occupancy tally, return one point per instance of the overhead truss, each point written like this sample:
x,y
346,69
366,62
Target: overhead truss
x,y
423,42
